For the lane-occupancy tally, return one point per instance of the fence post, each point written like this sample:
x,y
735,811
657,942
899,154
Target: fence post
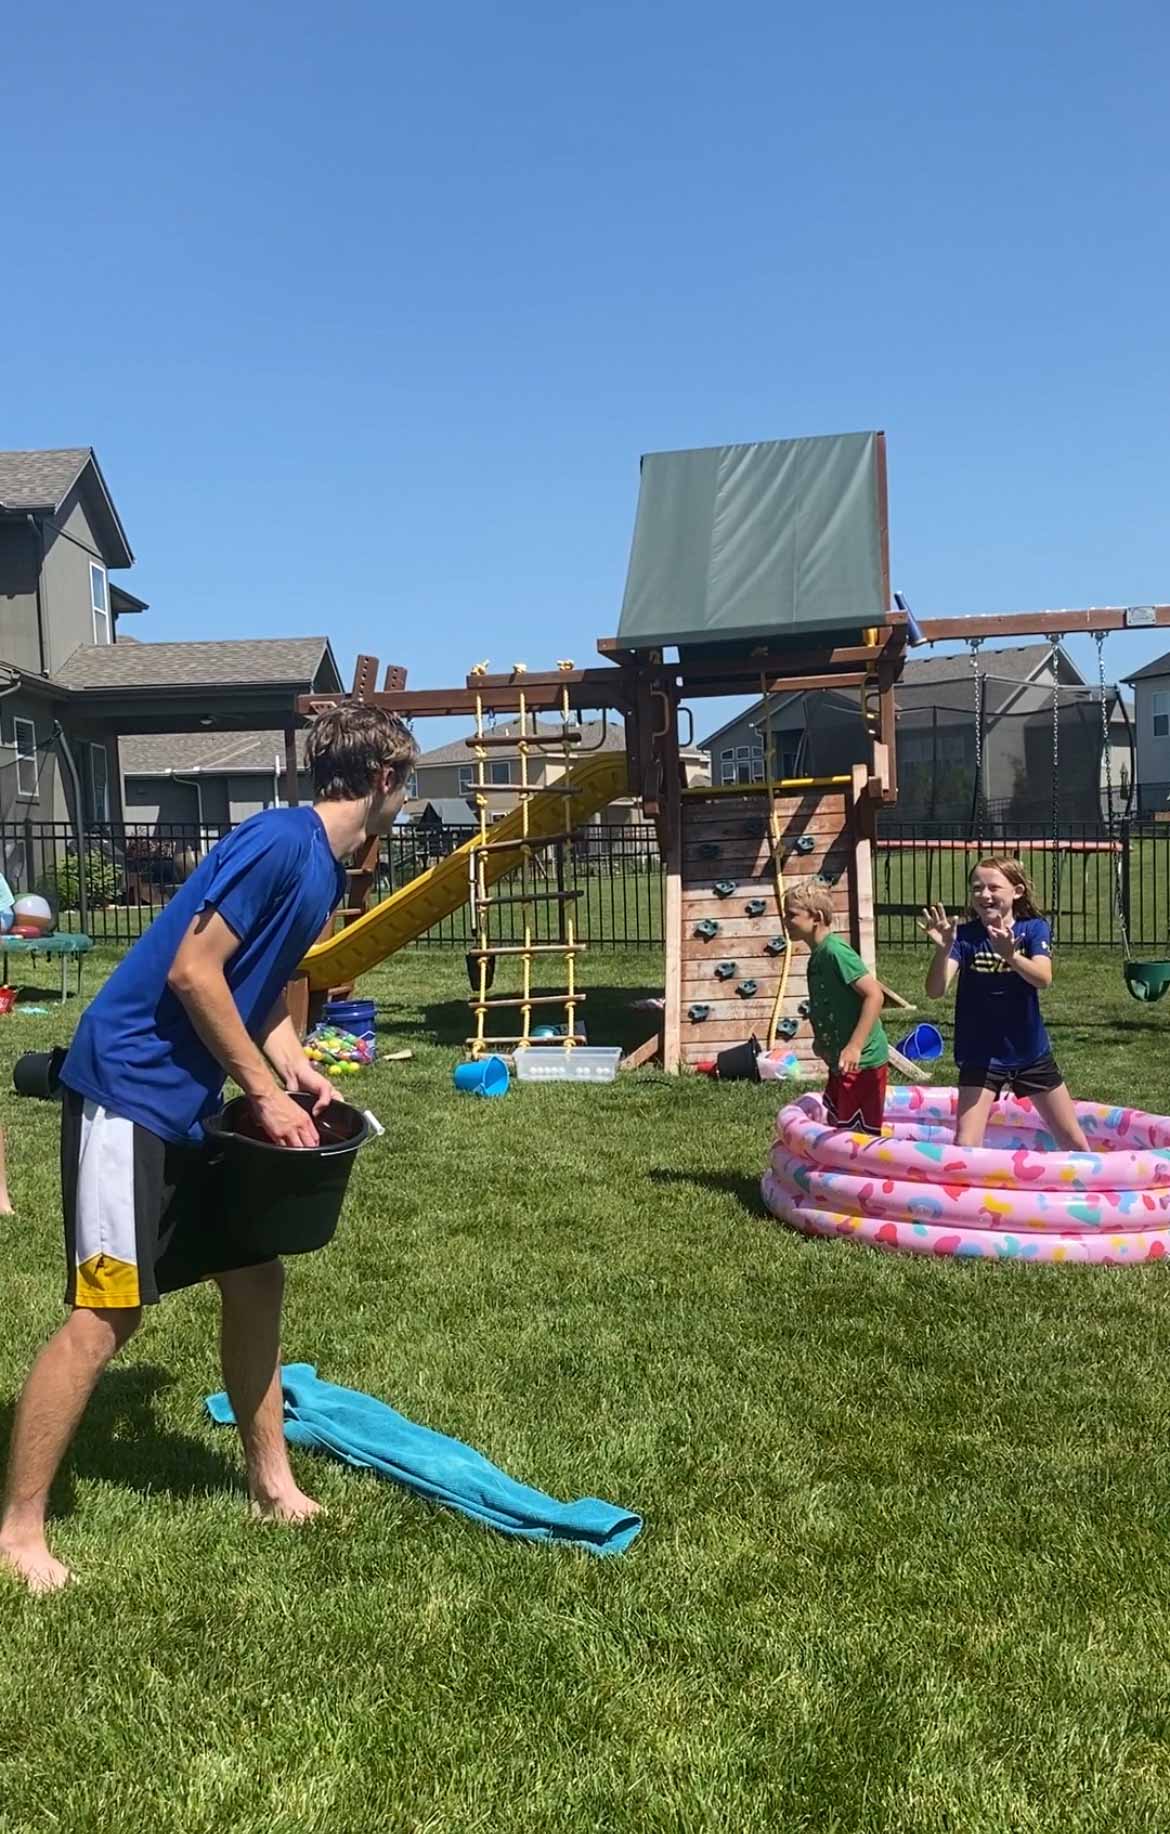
x,y
83,875
29,858
559,870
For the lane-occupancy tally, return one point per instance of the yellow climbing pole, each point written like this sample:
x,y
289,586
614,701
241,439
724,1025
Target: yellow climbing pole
x,y
776,842
545,760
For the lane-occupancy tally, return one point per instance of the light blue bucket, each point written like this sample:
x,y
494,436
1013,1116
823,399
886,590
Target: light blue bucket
x,y
923,1044
485,1076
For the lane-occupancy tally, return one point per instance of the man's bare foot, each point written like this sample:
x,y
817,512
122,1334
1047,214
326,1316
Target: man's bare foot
x,y
34,1566
289,1506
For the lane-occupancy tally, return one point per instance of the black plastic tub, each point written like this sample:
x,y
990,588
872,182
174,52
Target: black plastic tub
x,y
283,1200
38,1073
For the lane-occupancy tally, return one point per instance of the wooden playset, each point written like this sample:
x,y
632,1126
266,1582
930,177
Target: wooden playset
x,y
756,570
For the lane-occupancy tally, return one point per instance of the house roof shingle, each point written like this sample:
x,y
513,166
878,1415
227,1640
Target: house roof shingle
x,y
40,480
211,754
239,662
1159,666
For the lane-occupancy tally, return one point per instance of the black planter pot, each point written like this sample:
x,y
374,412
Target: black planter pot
x,y
738,1063
279,1200
38,1073
473,971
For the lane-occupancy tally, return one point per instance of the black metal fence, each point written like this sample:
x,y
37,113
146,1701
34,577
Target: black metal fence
x,y
122,877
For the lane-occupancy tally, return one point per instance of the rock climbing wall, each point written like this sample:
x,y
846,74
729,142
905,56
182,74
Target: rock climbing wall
x,y
726,874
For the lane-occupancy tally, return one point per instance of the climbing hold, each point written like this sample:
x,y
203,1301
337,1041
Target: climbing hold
x,y
755,907
696,1014
724,888
788,1028
777,945
725,971
747,990
804,843
708,850
803,1009
828,878
707,929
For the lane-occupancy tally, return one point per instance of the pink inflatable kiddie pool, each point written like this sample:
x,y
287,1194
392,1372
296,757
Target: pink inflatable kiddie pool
x,y
914,1191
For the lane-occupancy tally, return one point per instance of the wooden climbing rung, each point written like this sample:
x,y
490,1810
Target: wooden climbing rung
x,y
536,999
519,841
537,948
520,790
546,742
531,898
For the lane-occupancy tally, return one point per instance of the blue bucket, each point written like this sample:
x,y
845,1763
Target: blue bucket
x,y
354,1016
922,1045
484,1076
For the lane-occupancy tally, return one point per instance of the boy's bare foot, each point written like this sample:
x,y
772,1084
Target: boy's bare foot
x,y
34,1566
289,1506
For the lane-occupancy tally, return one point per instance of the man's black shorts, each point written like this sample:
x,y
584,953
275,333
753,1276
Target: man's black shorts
x,y
142,1217
1038,1078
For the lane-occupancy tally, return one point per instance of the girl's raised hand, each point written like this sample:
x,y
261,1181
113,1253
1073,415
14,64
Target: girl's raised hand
x,y
937,926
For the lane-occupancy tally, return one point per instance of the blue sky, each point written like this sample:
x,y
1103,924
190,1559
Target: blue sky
x,y
370,311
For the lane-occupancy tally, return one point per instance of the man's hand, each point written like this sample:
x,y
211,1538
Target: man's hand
x,y
284,1120
1002,937
938,927
848,1059
309,1081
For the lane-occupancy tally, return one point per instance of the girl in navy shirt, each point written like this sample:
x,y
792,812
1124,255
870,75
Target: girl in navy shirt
x,y
1003,957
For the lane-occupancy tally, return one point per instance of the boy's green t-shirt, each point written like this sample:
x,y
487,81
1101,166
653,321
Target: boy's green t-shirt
x,y
833,1006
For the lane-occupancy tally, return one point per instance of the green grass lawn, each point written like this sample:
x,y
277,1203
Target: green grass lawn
x,y
906,1563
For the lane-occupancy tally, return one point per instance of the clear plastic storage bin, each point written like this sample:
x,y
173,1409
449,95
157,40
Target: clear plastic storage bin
x,y
585,1063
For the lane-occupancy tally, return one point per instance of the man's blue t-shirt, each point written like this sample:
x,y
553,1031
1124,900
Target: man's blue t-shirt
x,y
274,880
997,1013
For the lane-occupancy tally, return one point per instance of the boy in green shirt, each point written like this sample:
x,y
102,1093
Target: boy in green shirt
x,y
845,1004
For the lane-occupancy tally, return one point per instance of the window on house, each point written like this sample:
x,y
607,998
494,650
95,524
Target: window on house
x,y
412,786
466,779
742,764
99,597
1162,716
500,771
24,739
99,784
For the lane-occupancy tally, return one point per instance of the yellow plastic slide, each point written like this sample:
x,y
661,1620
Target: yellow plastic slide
x,y
444,887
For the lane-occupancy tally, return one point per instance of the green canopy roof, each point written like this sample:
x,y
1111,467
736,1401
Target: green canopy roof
x,y
768,540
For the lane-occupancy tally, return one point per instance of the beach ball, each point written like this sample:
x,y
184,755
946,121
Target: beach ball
x,y
33,913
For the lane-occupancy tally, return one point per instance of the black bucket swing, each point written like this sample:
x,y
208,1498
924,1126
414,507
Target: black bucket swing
x,y
1146,981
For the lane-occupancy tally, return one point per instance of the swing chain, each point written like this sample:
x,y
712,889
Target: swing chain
x,y
1106,748
977,675
1054,663
1115,846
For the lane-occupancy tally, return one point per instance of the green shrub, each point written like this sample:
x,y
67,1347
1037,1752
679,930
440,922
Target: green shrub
x,y
61,885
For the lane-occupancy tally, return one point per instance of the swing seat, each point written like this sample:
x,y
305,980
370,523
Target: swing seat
x,y
1147,980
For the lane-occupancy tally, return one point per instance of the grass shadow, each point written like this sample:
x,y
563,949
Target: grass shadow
x,y
121,1441
609,1014
741,1185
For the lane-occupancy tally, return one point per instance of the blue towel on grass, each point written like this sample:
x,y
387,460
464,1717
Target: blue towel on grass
x,y
321,1417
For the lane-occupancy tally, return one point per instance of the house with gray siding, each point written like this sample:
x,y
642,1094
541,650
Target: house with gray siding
x,y
821,734
1151,722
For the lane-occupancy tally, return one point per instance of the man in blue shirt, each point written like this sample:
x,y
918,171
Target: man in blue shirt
x,y
199,998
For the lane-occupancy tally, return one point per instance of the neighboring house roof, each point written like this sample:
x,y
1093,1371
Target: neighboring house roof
x,y
457,751
1004,671
1159,666
451,811
37,483
207,754
260,661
